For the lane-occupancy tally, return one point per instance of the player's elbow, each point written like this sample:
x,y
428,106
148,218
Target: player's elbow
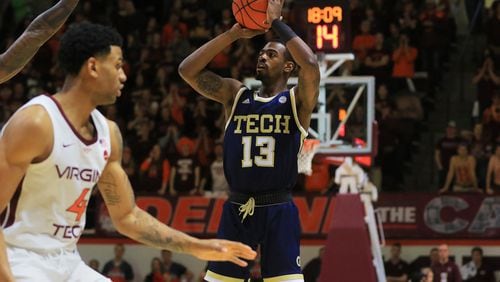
x,y
311,64
184,71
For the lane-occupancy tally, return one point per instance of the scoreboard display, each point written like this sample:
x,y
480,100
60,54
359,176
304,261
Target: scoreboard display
x,y
325,24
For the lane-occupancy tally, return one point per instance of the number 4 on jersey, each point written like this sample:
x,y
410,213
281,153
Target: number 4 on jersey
x,y
80,205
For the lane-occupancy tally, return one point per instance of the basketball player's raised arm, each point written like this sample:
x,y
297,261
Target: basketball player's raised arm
x,y
307,89
193,69
37,33
137,224
17,152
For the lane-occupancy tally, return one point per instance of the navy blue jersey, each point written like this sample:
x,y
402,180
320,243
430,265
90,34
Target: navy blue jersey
x,y
262,139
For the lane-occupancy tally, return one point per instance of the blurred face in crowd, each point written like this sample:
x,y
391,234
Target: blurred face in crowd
x,y
443,253
462,150
365,27
156,265
382,91
434,256
451,131
478,131
428,275
119,251
218,150
477,257
395,252
166,256
156,152
185,150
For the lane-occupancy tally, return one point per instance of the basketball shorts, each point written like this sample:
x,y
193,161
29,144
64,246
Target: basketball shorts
x,y
276,228
28,266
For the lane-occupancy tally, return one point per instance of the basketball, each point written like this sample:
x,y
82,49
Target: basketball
x,y
251,14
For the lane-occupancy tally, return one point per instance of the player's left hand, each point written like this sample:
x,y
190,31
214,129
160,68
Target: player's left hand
x,y
274,8
223,250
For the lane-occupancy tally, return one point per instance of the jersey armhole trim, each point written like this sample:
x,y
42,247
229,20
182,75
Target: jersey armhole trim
x,y
236,100
45,107
295,114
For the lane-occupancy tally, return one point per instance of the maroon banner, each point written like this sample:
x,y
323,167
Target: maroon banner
x,y
408,216
428,216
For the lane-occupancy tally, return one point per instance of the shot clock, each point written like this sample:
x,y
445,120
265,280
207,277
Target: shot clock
x,y
326,24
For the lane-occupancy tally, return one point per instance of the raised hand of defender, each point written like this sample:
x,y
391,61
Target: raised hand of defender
x,y
274,8
223,250
241,32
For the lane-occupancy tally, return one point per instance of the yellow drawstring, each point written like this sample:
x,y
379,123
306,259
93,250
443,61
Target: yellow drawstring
x,y
248,208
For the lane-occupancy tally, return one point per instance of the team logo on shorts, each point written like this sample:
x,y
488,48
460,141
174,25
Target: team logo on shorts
x,y
282,99
298,261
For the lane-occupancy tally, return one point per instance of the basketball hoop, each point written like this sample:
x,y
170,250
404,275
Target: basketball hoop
x,y
306,155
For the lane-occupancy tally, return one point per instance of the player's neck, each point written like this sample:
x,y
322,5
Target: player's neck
x,y
271,90
75,102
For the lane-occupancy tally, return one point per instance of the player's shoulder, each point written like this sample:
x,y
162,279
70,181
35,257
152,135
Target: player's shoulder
x,y
33,119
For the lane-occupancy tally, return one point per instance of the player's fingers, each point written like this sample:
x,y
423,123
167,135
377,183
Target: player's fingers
x,y
238,261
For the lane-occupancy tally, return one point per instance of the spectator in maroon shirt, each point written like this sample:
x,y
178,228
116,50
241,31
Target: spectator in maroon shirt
x,y
445,270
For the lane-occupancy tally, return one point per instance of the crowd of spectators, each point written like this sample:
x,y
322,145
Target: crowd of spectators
x,y
468,159
171,133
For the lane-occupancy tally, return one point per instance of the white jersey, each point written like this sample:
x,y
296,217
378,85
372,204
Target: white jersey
x,y
47,211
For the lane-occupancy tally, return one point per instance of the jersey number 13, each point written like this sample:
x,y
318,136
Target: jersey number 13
x,y
265,158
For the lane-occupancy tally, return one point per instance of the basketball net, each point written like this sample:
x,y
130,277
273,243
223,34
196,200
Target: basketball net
x,y
306,155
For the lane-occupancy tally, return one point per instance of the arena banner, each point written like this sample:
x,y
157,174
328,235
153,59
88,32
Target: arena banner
x,y
409,216
430,216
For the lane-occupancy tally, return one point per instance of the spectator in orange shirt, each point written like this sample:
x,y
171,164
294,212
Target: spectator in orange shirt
x,y
404,59
155,171
364,41
172,25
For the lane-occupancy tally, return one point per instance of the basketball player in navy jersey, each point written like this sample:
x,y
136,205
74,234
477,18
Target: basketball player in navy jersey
x,y
263,135
36,34
54,150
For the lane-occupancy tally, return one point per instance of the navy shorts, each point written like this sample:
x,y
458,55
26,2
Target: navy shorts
x,y
276,228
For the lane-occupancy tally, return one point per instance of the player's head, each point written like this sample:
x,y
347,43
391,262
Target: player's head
x,y
274,62
93,53
396,251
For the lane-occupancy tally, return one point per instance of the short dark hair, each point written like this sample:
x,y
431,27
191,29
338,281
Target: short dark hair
x,y
397,245
83,41
477,249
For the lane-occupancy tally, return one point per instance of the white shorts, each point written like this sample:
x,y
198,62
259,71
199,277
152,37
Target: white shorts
x,y
64,266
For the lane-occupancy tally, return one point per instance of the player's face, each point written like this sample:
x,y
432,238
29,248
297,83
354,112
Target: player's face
x,y
111,76
270,62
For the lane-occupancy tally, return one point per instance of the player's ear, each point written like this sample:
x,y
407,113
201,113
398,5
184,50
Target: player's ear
x,y
289,67
91,67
